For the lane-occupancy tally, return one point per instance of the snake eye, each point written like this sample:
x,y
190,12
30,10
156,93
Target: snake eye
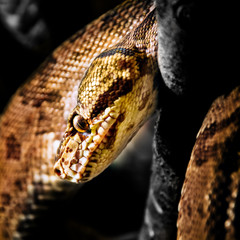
x,y
80,124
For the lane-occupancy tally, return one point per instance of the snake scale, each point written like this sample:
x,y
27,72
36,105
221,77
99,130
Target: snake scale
x,y
118,71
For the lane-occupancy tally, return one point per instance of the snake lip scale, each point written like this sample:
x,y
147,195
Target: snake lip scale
x,y
85,147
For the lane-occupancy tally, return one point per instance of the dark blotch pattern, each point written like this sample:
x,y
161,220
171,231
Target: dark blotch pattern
x,y
118,89
116,49
199,162
6,199
13,148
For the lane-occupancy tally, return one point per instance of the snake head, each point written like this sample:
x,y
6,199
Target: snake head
x,y
115,97
86,145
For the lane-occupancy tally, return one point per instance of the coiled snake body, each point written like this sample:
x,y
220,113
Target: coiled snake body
x,y
118,92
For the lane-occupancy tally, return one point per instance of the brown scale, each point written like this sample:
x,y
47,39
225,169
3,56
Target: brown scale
x,y
209,198
36,115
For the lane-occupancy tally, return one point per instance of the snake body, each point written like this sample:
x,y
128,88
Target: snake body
x,y
35,119
117,68
209,205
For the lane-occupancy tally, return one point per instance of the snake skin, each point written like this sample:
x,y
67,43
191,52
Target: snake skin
x,y
209,205
35,119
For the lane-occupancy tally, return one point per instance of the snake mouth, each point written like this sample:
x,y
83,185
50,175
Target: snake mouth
x,y
80,155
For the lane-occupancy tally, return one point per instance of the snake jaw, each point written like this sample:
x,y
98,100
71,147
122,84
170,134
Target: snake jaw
x,y
77,158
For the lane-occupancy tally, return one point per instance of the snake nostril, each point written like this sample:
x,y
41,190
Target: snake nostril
x,y
57,171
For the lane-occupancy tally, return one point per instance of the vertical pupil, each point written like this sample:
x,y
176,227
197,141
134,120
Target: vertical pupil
x,y
82,124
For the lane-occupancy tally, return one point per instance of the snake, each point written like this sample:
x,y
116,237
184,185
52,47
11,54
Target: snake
x,y
82,106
